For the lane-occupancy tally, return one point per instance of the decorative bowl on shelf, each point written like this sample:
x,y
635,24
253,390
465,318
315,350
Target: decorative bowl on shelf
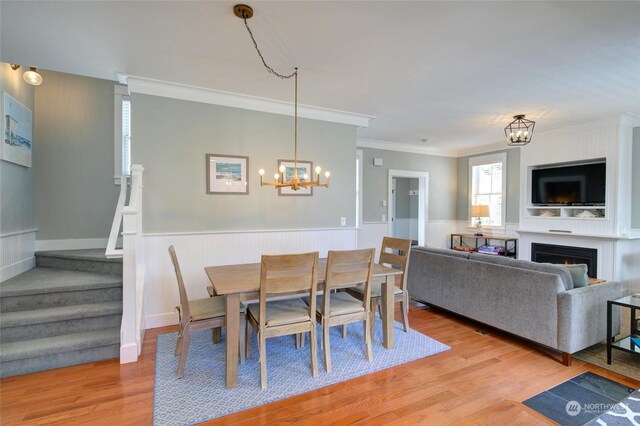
x,y
585,214
548,213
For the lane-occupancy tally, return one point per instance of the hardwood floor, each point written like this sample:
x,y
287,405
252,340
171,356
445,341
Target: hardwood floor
x,y
481,380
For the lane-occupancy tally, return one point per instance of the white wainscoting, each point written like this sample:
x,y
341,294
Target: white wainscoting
x,y
197,250
437,233
628,263
370,234
17,253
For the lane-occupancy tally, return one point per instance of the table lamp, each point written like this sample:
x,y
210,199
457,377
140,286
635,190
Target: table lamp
x,y
479,212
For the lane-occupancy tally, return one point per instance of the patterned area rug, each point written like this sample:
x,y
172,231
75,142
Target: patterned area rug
x,y
587,399
621,362
625,413
201,394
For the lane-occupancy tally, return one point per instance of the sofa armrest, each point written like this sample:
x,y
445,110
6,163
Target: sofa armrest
x,y
582,315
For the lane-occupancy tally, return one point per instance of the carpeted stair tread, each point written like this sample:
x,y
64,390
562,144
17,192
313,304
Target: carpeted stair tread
x,y
58,344
50,280
49,315
96,255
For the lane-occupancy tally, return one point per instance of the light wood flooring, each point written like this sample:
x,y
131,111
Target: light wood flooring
x,y
481,380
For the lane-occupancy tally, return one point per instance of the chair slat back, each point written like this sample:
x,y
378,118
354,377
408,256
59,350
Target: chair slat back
x,y
184,301
395,254
288,273
348,268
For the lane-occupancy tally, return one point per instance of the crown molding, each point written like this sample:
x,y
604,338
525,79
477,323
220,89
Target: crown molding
x,y
166,89
403,147
484,149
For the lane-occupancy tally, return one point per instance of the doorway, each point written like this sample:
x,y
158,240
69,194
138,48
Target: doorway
x,y
404,214
408,202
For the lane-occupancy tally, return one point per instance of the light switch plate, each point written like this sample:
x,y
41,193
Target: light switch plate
x,y
343,221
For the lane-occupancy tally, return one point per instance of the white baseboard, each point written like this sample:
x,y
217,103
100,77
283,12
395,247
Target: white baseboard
x,y
128,353
17,268
161,320
74,244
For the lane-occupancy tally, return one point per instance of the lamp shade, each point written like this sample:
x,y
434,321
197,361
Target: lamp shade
x,y
480,210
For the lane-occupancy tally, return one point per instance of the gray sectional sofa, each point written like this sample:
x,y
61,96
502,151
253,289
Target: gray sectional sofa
x,y
532,300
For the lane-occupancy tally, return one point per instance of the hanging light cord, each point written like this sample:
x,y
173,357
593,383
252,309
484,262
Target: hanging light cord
x,y
284,77
271,70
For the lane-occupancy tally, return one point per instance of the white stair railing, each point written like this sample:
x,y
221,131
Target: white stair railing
x,y
133,272
113,252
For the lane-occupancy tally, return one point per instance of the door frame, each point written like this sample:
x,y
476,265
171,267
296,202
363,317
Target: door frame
x,y
423,200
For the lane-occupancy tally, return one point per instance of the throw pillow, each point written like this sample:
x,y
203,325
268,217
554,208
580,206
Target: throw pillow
x,y
578,275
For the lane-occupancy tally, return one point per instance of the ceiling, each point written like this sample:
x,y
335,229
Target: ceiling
x,y
451,72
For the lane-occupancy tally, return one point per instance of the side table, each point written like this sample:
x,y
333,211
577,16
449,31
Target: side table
x,y
627,343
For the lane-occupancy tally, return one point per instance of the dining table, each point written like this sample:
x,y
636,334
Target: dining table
x,y
242,283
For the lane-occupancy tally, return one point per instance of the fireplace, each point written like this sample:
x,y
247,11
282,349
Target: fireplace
x,y
566,255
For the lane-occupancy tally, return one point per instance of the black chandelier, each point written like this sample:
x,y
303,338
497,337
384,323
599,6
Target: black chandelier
x,y
520,131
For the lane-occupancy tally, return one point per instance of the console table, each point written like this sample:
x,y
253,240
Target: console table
x,y
510,243
626,344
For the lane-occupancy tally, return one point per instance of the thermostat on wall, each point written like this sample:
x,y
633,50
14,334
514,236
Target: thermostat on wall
x,y
377,161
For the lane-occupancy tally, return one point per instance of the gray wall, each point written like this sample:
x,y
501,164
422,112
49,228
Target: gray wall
x,y
635,180
73,162
513,185
406,205
16,182
442,182
170,138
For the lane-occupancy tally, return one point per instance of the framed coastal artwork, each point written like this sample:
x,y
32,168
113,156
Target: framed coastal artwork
x,y
227,174
304,167
17,141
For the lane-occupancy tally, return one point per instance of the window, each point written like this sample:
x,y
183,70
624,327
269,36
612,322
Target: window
x,y
487,183
122,133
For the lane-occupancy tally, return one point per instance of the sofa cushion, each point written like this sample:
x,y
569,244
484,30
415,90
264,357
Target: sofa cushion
x,y
579,275
444,252
560,270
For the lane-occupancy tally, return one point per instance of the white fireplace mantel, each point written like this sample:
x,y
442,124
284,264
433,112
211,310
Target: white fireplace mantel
x,y
618,245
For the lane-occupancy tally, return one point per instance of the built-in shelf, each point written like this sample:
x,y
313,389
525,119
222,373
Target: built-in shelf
x,y
568,212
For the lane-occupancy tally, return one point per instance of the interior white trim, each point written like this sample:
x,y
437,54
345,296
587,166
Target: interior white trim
x,y
161,320
17,268
484,149
403,147
11,234
149,86
248,231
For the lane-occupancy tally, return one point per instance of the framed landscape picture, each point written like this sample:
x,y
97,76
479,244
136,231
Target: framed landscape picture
x,y
227,174
16,143
304,167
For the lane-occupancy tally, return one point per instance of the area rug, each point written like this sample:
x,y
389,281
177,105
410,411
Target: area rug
x,y
621,362
587,398
201,395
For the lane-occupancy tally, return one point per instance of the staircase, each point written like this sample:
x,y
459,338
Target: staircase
x,y
66,311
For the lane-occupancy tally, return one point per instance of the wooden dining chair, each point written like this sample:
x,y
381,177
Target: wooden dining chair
x,y
281,275
200,314
394,254
346,269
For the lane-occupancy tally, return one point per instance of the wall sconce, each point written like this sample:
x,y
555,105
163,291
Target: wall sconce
x,y
32,76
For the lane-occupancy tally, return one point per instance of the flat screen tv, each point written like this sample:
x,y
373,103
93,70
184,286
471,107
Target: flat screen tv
x,y
578,185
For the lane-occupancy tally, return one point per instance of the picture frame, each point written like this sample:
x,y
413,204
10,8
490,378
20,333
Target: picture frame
x,y
227,174
303,167
17,141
